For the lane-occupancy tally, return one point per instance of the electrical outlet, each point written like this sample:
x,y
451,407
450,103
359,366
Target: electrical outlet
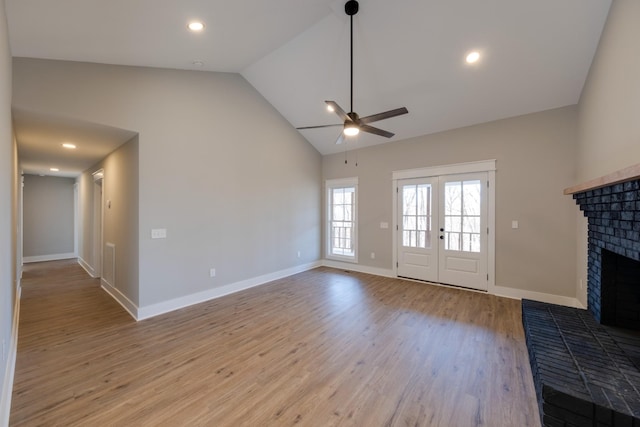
x,y
159,233
373,255
298,254
212,272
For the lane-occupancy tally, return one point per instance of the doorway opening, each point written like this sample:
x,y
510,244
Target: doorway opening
x,y
98,203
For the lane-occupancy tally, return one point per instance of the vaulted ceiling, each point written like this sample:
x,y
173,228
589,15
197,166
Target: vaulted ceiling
x,y
535,55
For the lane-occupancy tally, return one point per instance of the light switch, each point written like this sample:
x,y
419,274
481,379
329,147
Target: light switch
x,y
159,233
514,224
384,225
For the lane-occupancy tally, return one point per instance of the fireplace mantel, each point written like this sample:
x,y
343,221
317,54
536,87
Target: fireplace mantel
x,y
623,175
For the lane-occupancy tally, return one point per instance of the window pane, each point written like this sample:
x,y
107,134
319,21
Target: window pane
x,y
406,238
338,196
347,213
409,222
452,198
471,224
453,223
422,223
424,200
452,241
409,199
471,196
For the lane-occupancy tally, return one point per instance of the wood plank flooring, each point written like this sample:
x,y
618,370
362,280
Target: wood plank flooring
x,y
321,348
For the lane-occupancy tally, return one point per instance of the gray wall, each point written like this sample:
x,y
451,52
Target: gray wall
x,y
535,161
48,216
609,113
609,109
9,259
120,221
236,187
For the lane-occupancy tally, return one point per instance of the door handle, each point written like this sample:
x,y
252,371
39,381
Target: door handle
x,y
441,237
442,229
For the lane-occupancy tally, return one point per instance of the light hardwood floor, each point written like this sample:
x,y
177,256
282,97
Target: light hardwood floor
x,y
321,348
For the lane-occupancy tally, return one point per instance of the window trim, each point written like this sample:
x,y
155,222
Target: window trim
x,y
331,184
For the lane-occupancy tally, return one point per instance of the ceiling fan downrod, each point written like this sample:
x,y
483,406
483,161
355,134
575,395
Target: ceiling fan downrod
x,y
351,8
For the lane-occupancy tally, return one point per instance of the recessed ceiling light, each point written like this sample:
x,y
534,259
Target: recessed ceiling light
x,y
473,57
196,26
69,145
54,169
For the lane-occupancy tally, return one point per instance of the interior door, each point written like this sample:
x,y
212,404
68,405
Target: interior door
x,y
462,258
442,229
417,229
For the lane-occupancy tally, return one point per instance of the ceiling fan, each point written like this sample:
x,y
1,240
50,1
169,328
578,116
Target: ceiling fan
x,y
353,123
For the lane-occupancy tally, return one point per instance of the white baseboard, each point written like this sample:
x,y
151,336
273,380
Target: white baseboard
x,y
500,291
10,368
121,298
52,257
359,268
513,293
90,271
199,297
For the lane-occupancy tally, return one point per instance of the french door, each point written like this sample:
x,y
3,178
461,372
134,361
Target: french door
x,y
442,229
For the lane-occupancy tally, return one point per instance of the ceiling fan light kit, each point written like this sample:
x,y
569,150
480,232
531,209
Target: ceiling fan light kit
x,y
352,123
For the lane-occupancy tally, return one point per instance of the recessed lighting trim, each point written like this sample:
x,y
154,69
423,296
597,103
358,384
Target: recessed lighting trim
x,y
473,57
54,169
69,146
196,26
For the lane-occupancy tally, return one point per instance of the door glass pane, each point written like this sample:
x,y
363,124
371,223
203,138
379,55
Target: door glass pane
x,y
416,215
462,206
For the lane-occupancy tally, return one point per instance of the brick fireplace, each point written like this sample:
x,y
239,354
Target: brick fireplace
x,y
586,363
613,213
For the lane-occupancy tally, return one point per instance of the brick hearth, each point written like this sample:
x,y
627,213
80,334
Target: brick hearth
x,y
584,373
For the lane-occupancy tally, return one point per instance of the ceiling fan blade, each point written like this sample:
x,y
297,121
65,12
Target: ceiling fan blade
x,y
338,110
340,139
318,127
386,115
376,131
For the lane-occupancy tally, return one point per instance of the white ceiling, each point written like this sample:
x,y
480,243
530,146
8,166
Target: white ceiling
x,y
535,54
41,137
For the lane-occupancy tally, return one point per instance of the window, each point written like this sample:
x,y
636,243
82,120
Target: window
x,y
342,198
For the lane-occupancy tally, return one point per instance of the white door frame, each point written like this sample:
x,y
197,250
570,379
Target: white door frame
x,y
98,221
488,166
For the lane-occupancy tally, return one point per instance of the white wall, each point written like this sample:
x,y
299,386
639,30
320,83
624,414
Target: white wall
x,y
236,187
535,157
609,109
48,213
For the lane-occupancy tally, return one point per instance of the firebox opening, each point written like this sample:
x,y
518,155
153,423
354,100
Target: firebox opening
x,y
620,291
